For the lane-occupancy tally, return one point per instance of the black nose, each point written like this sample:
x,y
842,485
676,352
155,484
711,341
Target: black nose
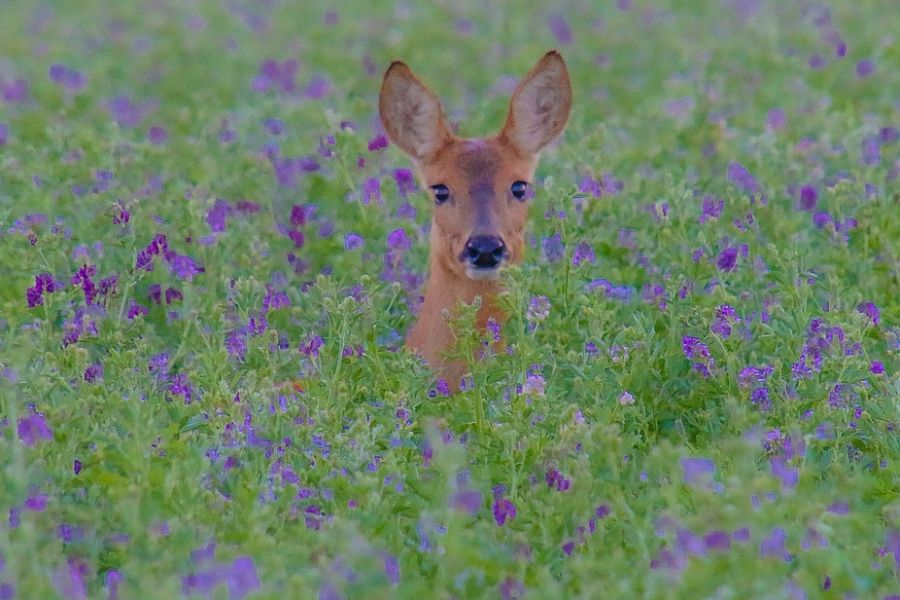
x,y
485,251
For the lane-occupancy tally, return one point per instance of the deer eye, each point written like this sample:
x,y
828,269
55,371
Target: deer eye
x,y
519,189
441,193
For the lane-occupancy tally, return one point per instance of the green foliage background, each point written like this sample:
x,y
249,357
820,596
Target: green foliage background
x,y
667,95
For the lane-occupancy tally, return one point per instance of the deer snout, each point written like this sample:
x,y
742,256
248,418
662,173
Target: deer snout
x,y
485,252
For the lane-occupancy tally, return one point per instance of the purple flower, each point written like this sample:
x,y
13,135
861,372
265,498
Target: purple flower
x,y
379,142
32,429
325,146
181,386
317,88
688,543
70,582
246,207
839,508
693,348
698,470
560,29
275,299
371,190
871,311
67,77
468,501
727,259
406,182
741,177
512,589
242,578
725,316
816,61
717,540
124,111
888,135
839,395
808,197
786,474
535,384
612,185
864,68
556,480
504,510
760,397
14,91
157,135
776,119
591,186
397,240
297,237
216,215
712,208
94,373
159,245
391,568
36,503
821,219
876,367
122,216
553,248
754,375
352,241
773,545
236,344
43,282
287,169
618,292
83,277
538,309
111,582
698,352
892,545
159,366
154,293
406,211
813,539
312,346
183,266
279,77
871,150
584,252
136,310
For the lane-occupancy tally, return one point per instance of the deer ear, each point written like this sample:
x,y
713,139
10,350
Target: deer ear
x,y
411,113
540,106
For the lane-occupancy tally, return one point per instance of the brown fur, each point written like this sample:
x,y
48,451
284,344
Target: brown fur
x,y
479,174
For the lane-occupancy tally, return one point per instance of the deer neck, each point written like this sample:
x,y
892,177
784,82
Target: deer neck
x,y
431,336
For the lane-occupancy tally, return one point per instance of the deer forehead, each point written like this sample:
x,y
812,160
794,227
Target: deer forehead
x,y
476,165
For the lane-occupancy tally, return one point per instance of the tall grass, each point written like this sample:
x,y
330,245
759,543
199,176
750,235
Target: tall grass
x,y
210,256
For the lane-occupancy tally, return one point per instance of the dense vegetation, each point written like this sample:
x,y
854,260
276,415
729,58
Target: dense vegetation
x,y
210,255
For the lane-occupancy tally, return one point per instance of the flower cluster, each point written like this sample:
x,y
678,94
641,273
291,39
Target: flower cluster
x,y
43,282
755,378
698,352
180,265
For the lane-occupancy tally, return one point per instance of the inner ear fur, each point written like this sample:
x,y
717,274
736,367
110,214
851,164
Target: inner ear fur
x,y
411,113
539,108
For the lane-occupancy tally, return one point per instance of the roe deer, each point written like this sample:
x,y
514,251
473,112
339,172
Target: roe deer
x,y
480,188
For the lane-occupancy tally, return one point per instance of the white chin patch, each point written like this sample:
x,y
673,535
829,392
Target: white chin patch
x,y
480,274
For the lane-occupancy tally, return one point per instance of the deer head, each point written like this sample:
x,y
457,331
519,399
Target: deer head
x,y
480,187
